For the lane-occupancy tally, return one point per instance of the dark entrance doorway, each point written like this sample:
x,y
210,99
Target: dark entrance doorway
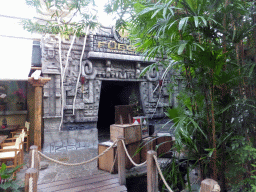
x,y
113,93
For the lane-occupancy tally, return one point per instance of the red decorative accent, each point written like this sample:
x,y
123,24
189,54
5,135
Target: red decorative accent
x,y
82,79
20,93
160,82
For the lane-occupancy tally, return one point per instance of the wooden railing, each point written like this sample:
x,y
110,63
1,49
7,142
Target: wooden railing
x,y
207,185
32,174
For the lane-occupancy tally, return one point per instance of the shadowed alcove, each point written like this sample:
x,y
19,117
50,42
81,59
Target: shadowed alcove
x,y
113,93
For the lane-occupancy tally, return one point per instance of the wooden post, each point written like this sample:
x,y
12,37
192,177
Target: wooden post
x,y
121,162
31,180
38,84
38,116
209,185
152,179
34,159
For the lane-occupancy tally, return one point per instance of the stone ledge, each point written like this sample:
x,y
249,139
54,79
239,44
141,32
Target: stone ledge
x,y
114,56
23,112
51,117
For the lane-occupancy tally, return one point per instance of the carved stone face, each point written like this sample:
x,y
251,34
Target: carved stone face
x,y
51,53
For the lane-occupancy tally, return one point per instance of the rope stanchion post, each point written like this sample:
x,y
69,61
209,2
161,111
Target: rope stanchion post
x,y
34,159
209,185
31,180
152,177
121,161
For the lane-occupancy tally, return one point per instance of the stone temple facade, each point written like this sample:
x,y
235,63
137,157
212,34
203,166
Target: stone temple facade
x,y
108,60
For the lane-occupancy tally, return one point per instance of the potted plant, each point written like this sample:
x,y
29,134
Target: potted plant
x,y
21,99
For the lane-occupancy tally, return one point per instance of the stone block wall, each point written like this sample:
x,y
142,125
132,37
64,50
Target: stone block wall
x,y
61,141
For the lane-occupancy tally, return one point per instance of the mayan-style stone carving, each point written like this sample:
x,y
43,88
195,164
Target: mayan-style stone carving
x,y
93,71
88,71
153,75
88,93
50,53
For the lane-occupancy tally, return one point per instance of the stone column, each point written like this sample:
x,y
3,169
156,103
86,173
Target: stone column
x,y
38,84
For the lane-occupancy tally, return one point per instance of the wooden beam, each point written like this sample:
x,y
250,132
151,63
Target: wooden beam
x,y
36,68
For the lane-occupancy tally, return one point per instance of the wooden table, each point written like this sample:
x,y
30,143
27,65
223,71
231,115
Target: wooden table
x,y
8,129
2,138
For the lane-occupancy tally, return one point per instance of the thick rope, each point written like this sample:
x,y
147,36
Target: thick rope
x,y
161,174
135,164
30,183
33,159
82,163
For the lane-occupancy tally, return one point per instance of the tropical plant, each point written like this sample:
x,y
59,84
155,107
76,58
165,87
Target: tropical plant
x,y
61,17
7,182
208,43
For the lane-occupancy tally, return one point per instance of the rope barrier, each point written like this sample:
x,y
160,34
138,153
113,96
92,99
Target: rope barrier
x,y
135,164
76,164
30,184
161,174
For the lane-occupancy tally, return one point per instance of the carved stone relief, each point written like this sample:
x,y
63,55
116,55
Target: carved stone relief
x,y
87,102
52,105
88,71
92,73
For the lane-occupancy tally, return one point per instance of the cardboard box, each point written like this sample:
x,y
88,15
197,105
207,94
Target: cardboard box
x,y
131,132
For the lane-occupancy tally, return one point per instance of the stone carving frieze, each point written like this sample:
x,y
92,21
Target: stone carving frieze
x,y
87,102
151,102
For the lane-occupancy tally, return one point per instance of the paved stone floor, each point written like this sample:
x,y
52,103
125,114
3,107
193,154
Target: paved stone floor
x,y
55,172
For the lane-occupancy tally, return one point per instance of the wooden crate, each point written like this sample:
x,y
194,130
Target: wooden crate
x,y
106,162
131,133
147,144
165,144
